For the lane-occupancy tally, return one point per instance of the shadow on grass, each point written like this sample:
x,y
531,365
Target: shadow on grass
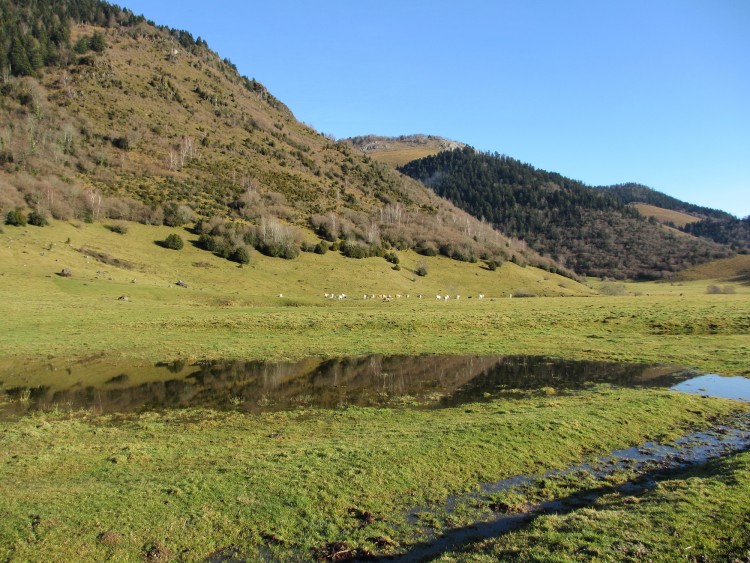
x,y
462,540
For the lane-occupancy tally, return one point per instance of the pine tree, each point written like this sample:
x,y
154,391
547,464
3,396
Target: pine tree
x,y
19,59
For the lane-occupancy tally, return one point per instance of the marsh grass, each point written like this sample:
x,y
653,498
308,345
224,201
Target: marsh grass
x,y
700,514
196,481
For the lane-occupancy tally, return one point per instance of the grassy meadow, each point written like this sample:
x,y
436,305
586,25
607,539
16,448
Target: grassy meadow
x,y
180,485
275,309
184,484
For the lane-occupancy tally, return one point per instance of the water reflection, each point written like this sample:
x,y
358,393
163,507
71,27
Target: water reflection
x,y
258,386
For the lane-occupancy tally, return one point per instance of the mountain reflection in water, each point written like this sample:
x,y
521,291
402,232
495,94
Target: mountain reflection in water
x,y
261,386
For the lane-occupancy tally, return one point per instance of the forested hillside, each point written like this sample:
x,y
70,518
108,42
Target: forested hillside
x,y
718,226
106,116
730,231
586,229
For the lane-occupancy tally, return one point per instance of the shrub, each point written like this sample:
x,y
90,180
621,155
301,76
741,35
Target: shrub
x,y
392,257
716,290
421,269
122,143
427,249
354,250
613,289
524,293
174,242
240,255
207,242
38,219
176,215
321,247
15,218
119,228
397,268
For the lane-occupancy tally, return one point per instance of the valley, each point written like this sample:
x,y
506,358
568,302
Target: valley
x,y
227,336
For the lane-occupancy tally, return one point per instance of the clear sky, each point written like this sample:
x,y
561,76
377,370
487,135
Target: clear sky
x,y
649,91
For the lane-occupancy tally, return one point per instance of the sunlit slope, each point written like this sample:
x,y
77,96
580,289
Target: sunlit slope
x,y
736,269
105,264
397,151
677,218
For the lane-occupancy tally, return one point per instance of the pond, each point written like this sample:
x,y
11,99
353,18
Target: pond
x,y
254,386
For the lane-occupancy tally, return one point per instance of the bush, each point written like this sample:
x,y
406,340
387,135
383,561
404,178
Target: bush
x,y
421,269
396,268
177,215
174,242
321,247
427,249
37,219
119,228
716,290
392,258
15,218
613,289
206,242
240,255
354,250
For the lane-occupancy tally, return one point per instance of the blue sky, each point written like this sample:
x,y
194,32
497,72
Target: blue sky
x,y
656,91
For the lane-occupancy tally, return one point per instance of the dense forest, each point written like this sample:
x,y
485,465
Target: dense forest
x,y
730,231
586,229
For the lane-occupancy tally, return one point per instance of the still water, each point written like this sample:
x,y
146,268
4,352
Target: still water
x,y
431,381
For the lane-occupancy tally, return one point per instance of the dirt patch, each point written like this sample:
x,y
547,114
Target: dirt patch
x,y
105,258
156,552
110,538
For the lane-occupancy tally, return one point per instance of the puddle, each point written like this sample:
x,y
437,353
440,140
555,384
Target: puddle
x,y
712,385
437,381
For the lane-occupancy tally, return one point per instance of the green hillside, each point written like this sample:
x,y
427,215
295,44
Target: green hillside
x,y
118,119
584,228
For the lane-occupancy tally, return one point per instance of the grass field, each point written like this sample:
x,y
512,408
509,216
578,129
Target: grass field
x,y
183,484
231,312
697,515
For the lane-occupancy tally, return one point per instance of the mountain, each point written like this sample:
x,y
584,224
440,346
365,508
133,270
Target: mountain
x,y
589,230
397,151
107,116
